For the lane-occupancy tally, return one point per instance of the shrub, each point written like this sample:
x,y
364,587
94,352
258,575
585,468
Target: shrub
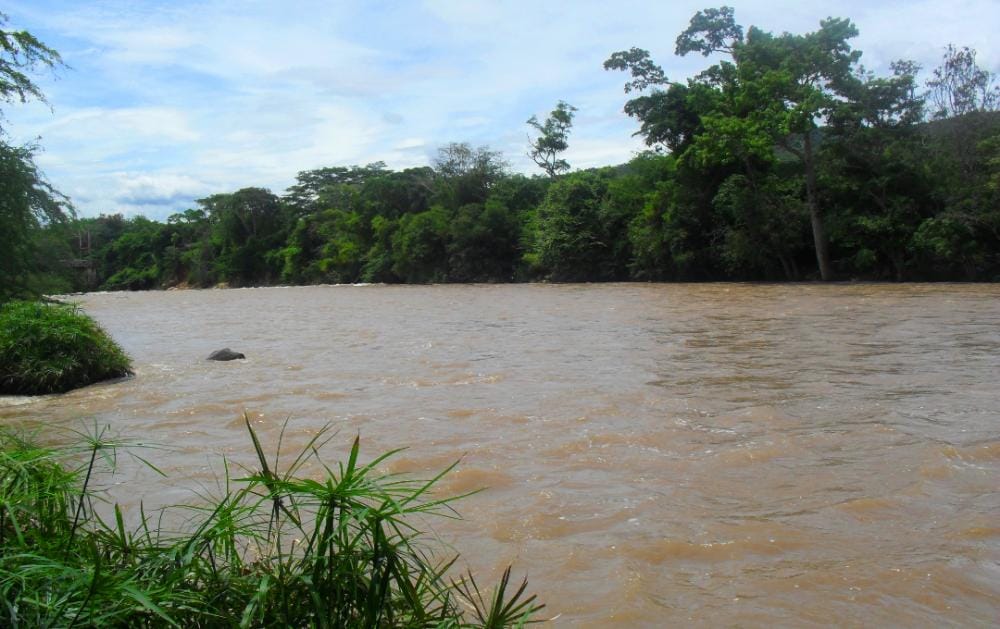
x,y
275,550
51,348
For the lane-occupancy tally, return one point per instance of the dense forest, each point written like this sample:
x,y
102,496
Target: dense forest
x,y
783,160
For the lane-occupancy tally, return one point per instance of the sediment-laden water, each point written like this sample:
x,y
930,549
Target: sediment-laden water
x,y
653,454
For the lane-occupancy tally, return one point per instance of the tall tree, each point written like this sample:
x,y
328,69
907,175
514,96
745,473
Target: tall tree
x,y
553,139
874,162
248,224
770,91
467,175
796,81
964,139
961,87
27,200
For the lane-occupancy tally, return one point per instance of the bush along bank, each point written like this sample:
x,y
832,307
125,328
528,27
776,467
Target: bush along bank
x,y
275,550
52,348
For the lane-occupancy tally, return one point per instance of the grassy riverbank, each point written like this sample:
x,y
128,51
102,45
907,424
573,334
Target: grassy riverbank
x,y
52,348
276,549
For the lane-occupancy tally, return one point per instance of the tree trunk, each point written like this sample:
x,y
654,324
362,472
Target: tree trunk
x,y
786,266
819,234
898,264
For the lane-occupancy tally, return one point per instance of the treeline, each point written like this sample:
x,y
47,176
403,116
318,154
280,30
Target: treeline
x,y
912,204
786,160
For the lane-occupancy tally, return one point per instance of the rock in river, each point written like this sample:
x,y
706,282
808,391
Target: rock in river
x,y
225,354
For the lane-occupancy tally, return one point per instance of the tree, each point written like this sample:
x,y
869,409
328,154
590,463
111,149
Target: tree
x,y
326,246
579,231
136,256
20,53
483,243
668,118
419,250
313,188
961,87
393,194
27,200
466,175
552,139
966,101
379,259
248,225
761,223
189,256
963,139
875,170
772,91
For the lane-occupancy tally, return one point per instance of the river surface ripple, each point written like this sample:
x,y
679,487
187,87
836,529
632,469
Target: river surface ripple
x,y
726,454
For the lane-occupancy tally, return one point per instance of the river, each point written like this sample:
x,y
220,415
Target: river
x,y
725,454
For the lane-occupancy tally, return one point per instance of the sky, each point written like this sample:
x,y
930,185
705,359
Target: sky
x,y
162,103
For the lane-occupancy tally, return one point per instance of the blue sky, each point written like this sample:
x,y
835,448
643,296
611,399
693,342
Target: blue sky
x,y
166,102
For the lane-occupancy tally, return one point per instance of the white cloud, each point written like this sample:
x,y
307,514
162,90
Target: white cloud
x,y
157,189
137,123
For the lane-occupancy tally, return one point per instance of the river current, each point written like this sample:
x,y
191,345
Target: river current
x,y
724,454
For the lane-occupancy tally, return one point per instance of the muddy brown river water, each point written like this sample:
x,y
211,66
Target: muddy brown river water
x,y
722,454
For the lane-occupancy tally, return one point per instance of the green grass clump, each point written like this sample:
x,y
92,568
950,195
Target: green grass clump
x,y
52,348
274,550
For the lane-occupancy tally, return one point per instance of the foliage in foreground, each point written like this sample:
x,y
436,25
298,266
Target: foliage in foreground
x,y
275,549
51,348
